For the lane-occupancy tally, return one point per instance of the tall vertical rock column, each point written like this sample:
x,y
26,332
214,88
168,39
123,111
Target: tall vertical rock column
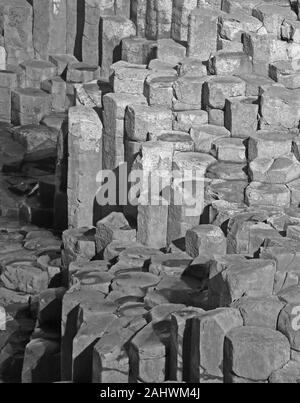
x,y
180,18
113,30
16,19
202,32
49,27
73,16
138,16
93,11
159,19
85,162
156,165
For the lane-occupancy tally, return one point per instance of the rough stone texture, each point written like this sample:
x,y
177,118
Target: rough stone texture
x,y
49,27
199,102
16,23
254,353
85,160
29,106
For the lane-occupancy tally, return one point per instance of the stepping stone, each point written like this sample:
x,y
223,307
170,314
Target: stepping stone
x,y
48,306
180,141
82,72
37,71
137,50
92,279
226,62
57,88
85,155
114,227
279,108
208,332
228,172
114,249
138,254
241,116
227,190
220,88
255,353
41,362
79,245
49,28
137,282
180,356
263,194
285,252
17,24
233,25
132,309
288,324
148,353
171,264
202,19
111,32
272,16
260,312
29,106
290,373
61,61
159,90
110,359
157,66
188,91
24,277
238,278
172,290
35,137
206,135
254,82
205,239
192,67
163,312
286,73
78,308
9,297
279,171
246,237
185,120
141,120
87,336
13,340
169,51
129,79
269,144
97,265
230,150
290,295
